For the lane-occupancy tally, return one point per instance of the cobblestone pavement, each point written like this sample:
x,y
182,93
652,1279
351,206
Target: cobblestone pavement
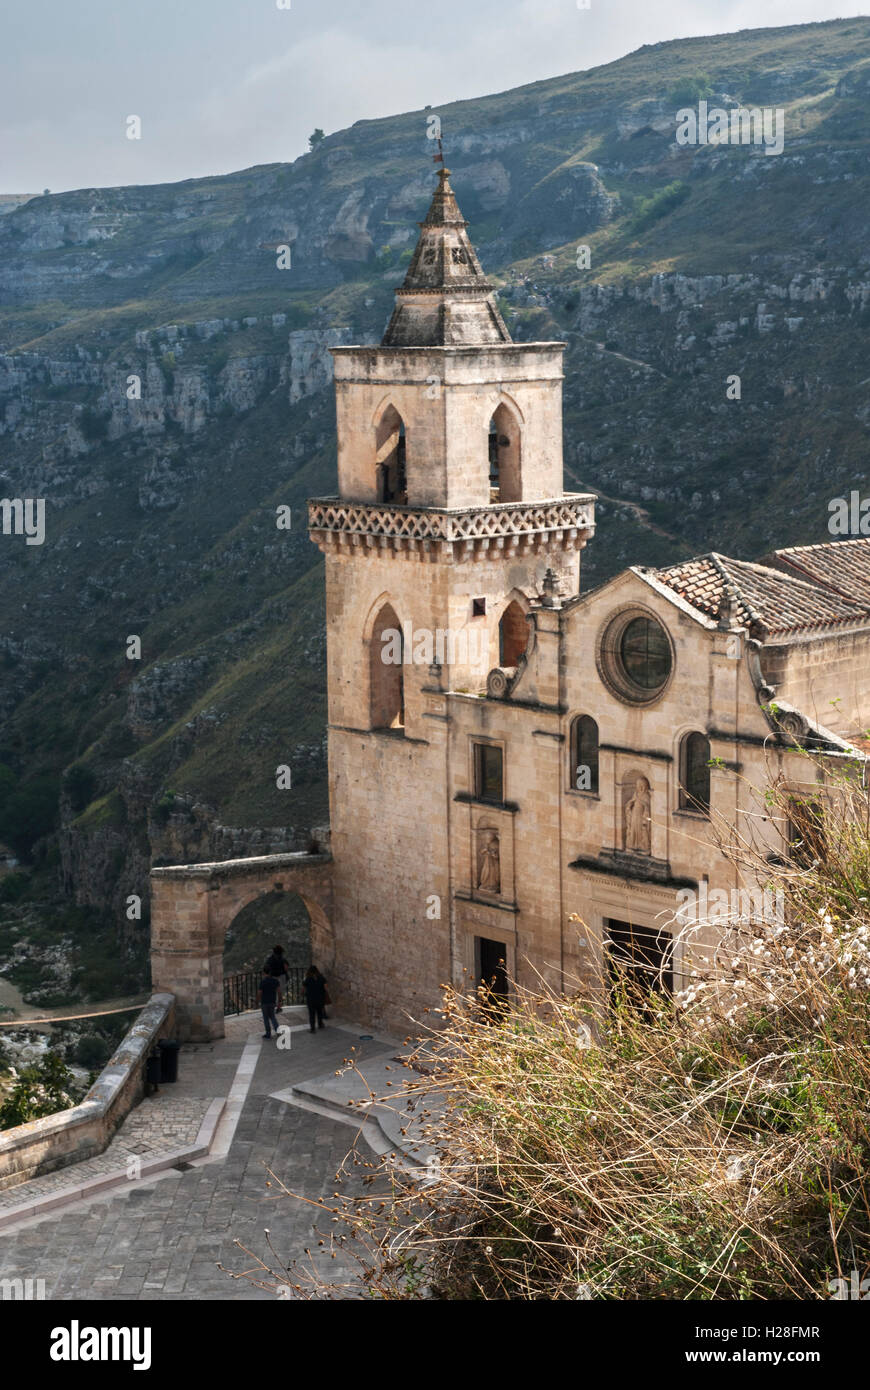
x,y
163,1238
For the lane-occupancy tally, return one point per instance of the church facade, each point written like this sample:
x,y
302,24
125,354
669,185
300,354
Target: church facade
x,y
526,779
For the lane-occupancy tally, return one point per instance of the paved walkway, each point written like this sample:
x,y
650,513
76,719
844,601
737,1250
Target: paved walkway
x,y
161,1238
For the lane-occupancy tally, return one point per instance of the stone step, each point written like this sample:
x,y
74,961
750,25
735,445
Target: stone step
x,y
348,1094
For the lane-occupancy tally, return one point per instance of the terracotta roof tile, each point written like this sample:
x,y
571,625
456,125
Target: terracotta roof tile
x,y
840,565
767,600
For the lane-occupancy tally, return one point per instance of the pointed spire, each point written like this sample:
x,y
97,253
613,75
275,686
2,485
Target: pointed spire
x,y
446,299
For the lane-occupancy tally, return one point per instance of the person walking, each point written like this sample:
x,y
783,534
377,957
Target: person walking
x,y
268,997
315,996
276,964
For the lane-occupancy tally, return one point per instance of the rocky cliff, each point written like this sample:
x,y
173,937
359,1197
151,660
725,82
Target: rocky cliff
x,y
165,387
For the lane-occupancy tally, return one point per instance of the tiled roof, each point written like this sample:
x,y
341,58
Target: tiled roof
x,y
840,565
767,600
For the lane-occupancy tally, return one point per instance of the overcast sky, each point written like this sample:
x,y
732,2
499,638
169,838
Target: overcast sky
x,y
224,84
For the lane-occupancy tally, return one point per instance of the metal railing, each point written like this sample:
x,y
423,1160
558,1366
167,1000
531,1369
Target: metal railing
x,y
240,990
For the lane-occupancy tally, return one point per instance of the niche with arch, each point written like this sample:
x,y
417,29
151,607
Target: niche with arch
x,y
513,635
636,813
386,671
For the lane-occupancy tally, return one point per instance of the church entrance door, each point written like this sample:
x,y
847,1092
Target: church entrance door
x,y
640,959
491,967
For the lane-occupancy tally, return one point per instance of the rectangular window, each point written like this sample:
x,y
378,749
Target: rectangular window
x,y
806,833
488,773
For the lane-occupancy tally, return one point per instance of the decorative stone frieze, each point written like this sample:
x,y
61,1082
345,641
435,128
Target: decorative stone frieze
x,y
435,533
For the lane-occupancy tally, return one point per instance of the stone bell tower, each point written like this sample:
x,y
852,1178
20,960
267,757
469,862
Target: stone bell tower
x,y
449,512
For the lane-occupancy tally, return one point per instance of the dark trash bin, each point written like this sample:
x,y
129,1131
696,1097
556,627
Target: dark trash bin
x,y
169,1059
153,1068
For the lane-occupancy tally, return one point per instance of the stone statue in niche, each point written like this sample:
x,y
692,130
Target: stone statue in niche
x,y
488,862
638,823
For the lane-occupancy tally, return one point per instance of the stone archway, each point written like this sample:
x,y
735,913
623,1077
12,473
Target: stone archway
x,y
192,906
272,919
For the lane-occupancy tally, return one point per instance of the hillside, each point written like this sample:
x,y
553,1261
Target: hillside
x,y
706,261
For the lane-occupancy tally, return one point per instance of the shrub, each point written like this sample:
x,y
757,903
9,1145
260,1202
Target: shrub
x,y
92,1052
164,807
13,887
28,813
690,90
94,426
652,209
39,1090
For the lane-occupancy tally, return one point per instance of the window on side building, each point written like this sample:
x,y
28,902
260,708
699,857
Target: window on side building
x,y
488,773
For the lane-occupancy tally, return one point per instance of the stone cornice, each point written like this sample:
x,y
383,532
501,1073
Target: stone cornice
x,y
238,868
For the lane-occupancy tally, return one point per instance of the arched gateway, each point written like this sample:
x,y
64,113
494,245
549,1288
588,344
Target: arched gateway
x,y
193,904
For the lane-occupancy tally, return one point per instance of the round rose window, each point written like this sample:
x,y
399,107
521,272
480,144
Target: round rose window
x,y
635,657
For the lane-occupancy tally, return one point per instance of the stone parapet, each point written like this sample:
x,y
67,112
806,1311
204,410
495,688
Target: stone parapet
x,y
499,531
241,868
42,1146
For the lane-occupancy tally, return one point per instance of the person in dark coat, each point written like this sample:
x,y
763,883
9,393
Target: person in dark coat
x,y
276,964
268,996
315,996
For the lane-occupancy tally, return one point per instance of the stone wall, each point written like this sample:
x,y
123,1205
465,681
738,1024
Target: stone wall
x,y
446,398
827,677
42,1146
